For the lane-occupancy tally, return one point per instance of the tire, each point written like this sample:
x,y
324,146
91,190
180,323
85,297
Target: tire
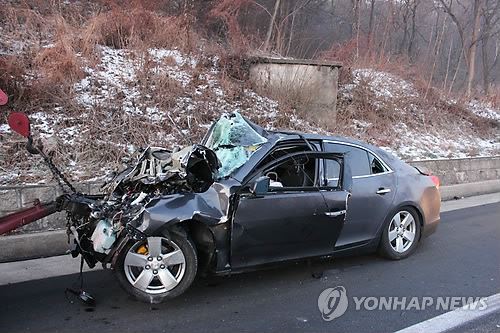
x,y
395,242
168,277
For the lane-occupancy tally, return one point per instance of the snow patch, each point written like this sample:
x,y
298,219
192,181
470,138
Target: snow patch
x,y
484,110
383,84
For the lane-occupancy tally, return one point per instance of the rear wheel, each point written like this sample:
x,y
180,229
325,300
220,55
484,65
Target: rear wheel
x,y
401,234
157,268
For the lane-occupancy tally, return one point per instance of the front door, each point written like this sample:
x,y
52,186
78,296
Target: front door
x,y
295,218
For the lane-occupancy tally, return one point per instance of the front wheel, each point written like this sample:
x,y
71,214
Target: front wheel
x,y
401,234
157,268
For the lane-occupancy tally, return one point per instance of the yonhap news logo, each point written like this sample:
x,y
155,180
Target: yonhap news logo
x,y
333,303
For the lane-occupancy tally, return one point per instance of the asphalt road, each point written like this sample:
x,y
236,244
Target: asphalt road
x,y
461,259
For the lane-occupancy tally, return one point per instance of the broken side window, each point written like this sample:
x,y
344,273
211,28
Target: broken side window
x,y
234,141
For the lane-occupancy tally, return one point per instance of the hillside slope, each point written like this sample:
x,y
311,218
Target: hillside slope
x,y
129,99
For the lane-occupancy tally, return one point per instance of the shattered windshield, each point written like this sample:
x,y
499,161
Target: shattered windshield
x,y
234,141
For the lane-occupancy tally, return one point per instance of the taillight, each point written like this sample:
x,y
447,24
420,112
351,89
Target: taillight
x,y
435,180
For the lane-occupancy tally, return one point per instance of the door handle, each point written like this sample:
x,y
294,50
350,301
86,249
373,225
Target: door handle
x,y
335,214
383,191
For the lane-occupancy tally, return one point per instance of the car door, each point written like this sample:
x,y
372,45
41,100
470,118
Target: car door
x,y
373,191
288,222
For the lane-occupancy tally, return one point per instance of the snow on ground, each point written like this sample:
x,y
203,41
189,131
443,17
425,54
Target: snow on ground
x,y
118,73
412,145
384,84
484,110
424,143
113,84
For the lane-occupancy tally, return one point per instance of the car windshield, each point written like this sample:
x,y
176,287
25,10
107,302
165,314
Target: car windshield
x,y
234,141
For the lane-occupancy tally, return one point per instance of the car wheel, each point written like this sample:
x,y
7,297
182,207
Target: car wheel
x,y
401,234
157,268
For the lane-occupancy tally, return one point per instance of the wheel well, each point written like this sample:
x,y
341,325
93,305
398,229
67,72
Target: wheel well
x,y
410,205
419,214
203,240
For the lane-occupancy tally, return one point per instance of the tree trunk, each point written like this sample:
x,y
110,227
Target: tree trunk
x,y
486,72
405,29
356,23
370,23
448,66
473,47
271,25
413,30
437,49
290,35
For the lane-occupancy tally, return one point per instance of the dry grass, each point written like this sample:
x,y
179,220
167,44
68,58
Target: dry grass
x,y
52,45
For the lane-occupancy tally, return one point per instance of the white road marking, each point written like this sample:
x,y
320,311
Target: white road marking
x,y
456,318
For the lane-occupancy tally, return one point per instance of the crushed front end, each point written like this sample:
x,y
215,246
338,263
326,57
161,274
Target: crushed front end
x,y
99,225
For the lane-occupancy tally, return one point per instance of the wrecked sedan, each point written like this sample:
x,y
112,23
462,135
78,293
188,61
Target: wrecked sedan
x,y
243,198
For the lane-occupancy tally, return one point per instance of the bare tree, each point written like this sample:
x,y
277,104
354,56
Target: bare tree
x,y
271,25
371,23
413,31
473,46
469,47
356,23
491,18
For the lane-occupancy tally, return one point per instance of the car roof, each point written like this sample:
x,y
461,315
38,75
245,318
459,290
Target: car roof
x,y
275,136
393,161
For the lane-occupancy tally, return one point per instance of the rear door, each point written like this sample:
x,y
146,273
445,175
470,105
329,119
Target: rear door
x,y
296,218
373,191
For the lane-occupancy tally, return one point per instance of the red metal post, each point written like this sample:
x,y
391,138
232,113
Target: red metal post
x,y
26,216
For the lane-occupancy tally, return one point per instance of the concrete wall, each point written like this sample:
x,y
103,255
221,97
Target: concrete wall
x,y
463,170
310,86
454,171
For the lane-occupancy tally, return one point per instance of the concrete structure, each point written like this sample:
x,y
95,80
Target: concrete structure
x,y
463,170
311,86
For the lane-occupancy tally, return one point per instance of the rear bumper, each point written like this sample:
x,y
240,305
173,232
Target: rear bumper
x,y
430,228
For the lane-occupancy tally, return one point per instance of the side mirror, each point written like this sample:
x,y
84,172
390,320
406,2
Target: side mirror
x,y
260,186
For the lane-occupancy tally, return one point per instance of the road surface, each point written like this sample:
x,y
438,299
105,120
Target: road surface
x,y
461,259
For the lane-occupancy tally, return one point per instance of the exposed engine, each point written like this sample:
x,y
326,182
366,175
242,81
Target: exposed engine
x,y
96,223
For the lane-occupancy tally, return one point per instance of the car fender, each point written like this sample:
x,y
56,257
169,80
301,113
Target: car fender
x,y
163,212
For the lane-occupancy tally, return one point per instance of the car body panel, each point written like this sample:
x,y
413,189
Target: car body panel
x,y
270,228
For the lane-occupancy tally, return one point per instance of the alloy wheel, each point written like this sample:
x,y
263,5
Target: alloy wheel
x,y
402,231
155,266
